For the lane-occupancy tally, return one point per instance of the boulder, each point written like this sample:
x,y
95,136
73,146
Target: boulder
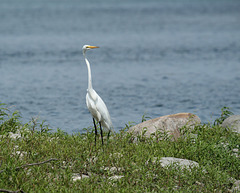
x,y
169,124
232,122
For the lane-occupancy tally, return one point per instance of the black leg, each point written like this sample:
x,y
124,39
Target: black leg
x,y
108,134
95,131
101,131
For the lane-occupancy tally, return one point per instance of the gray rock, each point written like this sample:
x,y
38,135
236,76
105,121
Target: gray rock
x,y
112,169
169,124
183,163
77,176
236,187
168,161
233,122
116,177
14,135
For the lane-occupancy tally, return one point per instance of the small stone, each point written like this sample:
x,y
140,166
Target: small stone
x,y
153,160
115,177
112,169
116,155
167,161
199,183
92,159
183,163
14,135
236,186
77,176
235,150
21,154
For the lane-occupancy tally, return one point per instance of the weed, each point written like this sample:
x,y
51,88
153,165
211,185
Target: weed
x,y
38,160
225,114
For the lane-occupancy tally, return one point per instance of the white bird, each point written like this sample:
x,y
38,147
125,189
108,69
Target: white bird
x,y
95,104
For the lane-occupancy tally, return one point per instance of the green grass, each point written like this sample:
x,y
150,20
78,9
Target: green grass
x,y
66,155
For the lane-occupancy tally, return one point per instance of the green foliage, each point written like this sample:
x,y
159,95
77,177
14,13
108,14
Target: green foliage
x,y
8,122
134,161
145,117
225,114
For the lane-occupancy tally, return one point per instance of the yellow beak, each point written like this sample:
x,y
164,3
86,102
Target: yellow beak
x,y
93,47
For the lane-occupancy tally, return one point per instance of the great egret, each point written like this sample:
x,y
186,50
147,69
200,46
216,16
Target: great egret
x,y
95,104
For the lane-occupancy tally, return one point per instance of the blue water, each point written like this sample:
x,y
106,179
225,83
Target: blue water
x,y
156,57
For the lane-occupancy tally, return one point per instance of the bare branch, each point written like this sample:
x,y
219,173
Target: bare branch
x,y
33,164
10,191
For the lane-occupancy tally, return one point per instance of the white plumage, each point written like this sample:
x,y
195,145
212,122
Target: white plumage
x,y
95,104
98,109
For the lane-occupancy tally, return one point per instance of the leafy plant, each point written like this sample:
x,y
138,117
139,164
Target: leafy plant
x,y
9,122
225,114
44,161
145,117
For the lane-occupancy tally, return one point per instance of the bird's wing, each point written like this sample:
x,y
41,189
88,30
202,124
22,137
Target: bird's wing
x,y
91,105
98,109
105,116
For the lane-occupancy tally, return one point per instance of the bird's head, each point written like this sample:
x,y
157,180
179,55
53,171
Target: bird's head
x,y
88,47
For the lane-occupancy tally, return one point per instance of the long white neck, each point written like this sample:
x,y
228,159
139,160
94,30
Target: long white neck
x,y
89,72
